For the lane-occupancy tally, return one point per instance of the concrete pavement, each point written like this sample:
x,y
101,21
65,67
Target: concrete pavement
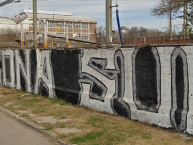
x,y
13,133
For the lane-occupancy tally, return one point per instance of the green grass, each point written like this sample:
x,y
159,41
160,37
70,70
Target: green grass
x,y
147,137
63,126
96,128
94,121
48,128
24,115
60,102
35,122
63,117
63,102
88,137
52,114
35,95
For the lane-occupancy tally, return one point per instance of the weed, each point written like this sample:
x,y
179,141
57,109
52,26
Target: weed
x,y
48,128
63,102
24,115
63,136
63,117
35,122
63,126
35,95
51,114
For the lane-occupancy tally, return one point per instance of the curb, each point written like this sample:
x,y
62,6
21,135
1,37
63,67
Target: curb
x,y
51,136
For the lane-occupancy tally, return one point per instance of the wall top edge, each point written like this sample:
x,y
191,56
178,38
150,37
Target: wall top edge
x,y
104,47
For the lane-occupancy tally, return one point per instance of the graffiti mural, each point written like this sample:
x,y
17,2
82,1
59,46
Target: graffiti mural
x,y
47,80
66,72
150,84
1,69
33,62
26,69
98,90
179,90
146,79
118,74
8,68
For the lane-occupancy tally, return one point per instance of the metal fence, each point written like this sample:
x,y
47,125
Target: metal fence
x,y
181,39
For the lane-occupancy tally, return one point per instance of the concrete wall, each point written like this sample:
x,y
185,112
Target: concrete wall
x,y
151,85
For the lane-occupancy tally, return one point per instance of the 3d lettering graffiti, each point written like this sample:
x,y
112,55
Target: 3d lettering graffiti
x,y
151,84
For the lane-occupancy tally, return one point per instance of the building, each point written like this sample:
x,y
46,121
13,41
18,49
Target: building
x,y
82,28
6,24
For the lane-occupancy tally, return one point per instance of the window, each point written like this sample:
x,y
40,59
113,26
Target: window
x,y
69,24
78,35
77,25
85,26
84,36
60,24
51,24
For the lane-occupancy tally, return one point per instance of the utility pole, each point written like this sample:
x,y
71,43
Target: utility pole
x,y
108,22
35,22
21,35
170,19
184,29
187,30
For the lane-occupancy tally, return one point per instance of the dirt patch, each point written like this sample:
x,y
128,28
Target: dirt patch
x,y
67,130
32,115
23,111
9,103
16,106
46,119
65,120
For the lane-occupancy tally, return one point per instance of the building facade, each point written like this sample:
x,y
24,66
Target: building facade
x,y
82,28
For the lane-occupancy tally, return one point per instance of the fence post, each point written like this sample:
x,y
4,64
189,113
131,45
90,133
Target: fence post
x,y
21,35
45,36
145,41
67,42
100,38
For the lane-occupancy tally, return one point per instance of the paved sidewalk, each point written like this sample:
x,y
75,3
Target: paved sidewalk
x,y
13,133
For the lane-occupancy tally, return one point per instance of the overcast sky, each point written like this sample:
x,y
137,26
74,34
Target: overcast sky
x,y
132,12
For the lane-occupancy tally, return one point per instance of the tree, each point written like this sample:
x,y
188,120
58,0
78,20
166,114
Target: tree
x,y
169,7
164,7
101,34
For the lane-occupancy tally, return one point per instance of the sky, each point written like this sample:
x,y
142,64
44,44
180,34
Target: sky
x,y
132,12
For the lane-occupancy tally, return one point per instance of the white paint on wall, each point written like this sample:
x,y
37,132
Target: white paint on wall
x,y
48,78
24,69
9,54
110,84
38,72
